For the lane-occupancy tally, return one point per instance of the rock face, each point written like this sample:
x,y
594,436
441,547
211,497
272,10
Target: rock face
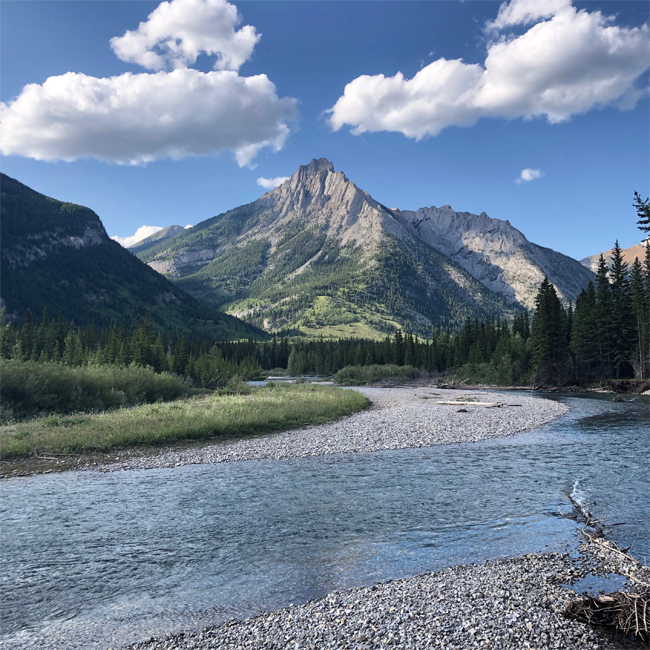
x,y
629,255
148,242
496,253
318,252
58,255
321,255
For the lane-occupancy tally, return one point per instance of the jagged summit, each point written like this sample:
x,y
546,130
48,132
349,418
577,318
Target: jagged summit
x,y
318,242
317,165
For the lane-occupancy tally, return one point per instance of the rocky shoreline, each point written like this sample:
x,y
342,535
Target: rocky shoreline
x,y
507,604
399,418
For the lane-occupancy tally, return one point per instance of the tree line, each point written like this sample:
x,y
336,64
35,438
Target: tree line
x,y
604,336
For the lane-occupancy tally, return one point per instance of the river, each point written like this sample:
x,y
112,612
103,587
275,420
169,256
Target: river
x,y
93,560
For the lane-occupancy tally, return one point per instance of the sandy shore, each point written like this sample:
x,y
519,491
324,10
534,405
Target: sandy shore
x,y
399,418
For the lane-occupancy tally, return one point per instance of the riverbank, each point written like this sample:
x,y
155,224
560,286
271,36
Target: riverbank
x,y
506,604
66,442
399,418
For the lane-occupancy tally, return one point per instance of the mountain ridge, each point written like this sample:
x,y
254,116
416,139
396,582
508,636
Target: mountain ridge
x,y
57,255
151,240
248,259
629,254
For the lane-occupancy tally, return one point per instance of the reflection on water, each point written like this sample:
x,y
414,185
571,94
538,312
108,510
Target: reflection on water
x,y
95,560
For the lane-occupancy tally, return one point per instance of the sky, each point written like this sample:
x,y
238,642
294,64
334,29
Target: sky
x,y
153,114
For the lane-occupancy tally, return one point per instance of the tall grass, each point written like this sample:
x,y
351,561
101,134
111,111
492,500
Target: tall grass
x,y
29,389
266,409
357,375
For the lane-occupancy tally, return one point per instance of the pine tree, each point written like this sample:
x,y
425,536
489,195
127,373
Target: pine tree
x,y
622,317
640,302
643,212
28,335
398,349
584,339
604,317
549,337
409,351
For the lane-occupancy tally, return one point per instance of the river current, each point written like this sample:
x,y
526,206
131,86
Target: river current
x,y
93,560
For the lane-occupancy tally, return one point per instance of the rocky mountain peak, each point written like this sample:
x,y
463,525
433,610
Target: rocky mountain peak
x,y
317,165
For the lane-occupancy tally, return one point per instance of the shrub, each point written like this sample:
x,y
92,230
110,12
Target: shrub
x,y
30,389
356,375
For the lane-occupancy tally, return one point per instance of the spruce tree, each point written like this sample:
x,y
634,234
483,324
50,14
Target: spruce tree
x,y
604,318
640,302
584,339
622,317
643,212
549,337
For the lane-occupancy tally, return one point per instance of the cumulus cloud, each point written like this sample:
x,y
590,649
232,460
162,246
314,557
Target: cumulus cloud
x,y
141,233
189,225
523,12
271,183
561,66
176,32
138,118
529,175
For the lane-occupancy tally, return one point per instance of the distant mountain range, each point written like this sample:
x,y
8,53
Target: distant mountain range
x,y
148,242
321,255
58,255
629,255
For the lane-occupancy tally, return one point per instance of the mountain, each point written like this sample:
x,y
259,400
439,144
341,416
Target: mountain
x,y
629,255
58,255
496,253
321,255
148,242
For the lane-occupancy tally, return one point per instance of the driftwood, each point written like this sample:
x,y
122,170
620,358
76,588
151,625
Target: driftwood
x,y
626,612
489,405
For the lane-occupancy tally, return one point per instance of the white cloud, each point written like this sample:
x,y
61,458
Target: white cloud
x,y
138,118
560,67
189,225
529,174
271,183
176,32
523,12
141,233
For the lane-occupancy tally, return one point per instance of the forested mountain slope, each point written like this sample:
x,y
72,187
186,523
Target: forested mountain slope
x,y
58,255
319,254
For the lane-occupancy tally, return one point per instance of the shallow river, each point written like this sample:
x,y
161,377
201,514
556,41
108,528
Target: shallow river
x,y
91,560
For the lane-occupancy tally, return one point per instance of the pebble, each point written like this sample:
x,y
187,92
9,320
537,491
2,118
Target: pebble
x,y
507,604
399,418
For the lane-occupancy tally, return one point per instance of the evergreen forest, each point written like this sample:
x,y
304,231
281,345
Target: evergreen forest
x,y
603,337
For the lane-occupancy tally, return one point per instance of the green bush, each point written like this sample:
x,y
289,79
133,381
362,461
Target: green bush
x,y
356,375
503,372
29,389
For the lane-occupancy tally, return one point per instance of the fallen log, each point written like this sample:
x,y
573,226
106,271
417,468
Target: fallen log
x,y
490,405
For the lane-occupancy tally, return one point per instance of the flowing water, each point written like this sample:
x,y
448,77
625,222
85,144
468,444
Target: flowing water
x,y
91,560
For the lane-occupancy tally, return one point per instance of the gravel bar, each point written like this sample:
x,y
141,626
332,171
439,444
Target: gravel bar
x,y
399,418
508,604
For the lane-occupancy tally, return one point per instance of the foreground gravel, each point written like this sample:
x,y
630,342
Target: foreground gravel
x,y
399,418
506,604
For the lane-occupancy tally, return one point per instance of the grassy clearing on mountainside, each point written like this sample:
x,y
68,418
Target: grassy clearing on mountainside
x,y
265,409
358,375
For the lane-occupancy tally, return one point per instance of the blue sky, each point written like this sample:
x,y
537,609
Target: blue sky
x,y
591,155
